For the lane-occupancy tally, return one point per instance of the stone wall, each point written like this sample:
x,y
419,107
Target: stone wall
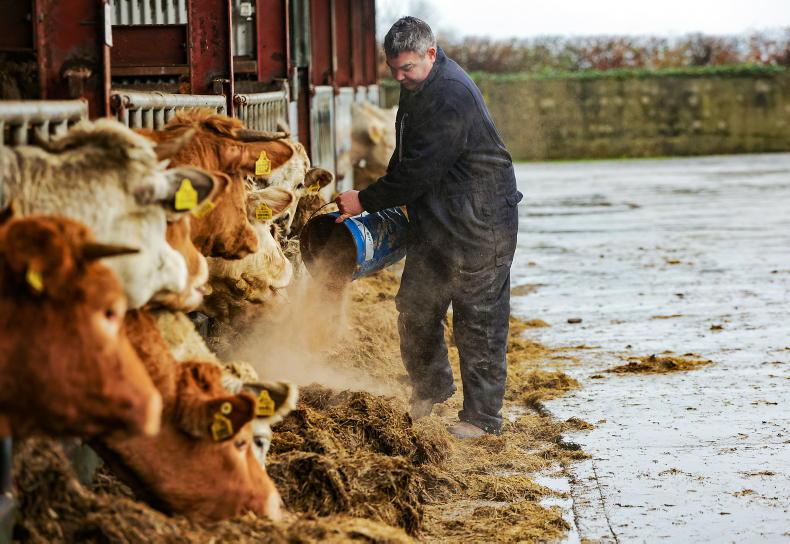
x,y
604,117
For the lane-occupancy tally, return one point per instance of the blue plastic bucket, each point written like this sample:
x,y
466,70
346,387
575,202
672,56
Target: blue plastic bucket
x,y
356,247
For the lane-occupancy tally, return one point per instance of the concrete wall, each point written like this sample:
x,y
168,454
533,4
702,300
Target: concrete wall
x,y
640,117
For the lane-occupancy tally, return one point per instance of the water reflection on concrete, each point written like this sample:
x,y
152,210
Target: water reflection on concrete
x,y
687,255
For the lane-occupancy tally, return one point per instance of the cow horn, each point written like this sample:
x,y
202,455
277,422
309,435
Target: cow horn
x,y
248,135
95,250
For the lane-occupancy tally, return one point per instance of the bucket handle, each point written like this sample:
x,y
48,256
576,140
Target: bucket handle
x,y
318,210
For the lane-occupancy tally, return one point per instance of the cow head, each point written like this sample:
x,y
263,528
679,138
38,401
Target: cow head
x,y
222,231
67,367
115,181
202,464
225,231
240,287
372,142
206,192
315,180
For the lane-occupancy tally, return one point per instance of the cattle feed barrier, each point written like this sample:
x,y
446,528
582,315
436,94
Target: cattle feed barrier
x,y
28,121
262,111
154,109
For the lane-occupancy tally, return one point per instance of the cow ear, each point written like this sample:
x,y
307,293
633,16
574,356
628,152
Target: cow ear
x,y
190,189
228,415
169,148
318,175
38,253
204,409
274,400
375,132
277,199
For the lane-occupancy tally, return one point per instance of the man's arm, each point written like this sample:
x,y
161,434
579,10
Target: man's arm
x,y
435,144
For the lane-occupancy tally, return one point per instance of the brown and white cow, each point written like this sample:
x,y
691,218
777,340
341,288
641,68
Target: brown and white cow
x,y
252,281
114,181
223,143
66,365
201,464
310,204
372,142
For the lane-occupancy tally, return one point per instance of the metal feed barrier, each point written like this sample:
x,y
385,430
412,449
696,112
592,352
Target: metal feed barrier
x,y
27,121
262,111
322,132
153,110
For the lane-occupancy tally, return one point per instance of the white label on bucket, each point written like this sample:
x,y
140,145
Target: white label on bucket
x,y
368,239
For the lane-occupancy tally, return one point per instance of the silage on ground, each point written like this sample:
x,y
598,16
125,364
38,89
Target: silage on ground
x,y
350,464
660,364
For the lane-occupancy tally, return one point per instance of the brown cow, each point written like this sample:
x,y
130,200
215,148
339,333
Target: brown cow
x,y
66,365
223,143
222,229
201,464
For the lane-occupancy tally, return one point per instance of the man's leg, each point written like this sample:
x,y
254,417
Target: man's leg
x,y
422,301
481,311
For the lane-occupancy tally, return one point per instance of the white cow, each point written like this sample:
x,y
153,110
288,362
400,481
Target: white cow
x,y
113,180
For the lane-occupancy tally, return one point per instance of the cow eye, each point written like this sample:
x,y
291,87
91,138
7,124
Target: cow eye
x,y
240,444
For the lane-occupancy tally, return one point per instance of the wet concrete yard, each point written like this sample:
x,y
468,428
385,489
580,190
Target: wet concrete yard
x,y
683,255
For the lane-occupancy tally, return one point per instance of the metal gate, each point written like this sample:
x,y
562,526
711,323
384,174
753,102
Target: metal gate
x,y
262,111
344,175
374,96
154,110
322,132
149,12
27,121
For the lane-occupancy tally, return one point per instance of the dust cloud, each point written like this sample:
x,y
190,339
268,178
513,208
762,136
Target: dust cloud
x,y
305,340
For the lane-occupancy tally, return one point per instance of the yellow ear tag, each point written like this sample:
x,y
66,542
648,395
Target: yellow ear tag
x,y
265,407
263,212
263,166
186,196
205,207
34,280
314,188
221,428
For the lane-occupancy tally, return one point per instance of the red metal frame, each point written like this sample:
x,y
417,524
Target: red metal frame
x,y
210,58
369,41
149,45
273,38
321,65
342,41
73,59
357,44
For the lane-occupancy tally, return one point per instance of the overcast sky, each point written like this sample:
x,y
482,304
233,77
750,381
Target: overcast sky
x,y
529,18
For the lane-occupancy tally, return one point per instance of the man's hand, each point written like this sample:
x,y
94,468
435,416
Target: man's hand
x,y
349,205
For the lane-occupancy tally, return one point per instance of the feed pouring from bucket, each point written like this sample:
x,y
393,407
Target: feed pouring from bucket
x,y
357,247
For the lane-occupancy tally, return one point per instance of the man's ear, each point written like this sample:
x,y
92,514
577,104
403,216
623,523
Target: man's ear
x,y
431,52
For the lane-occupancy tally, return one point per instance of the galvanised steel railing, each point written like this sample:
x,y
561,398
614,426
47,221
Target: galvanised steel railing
x,y
28,121
154,109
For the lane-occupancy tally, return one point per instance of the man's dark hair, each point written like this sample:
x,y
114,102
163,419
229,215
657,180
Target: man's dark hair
x,y
408,34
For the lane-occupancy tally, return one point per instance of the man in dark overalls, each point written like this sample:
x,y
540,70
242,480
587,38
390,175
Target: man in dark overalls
x,y
454,175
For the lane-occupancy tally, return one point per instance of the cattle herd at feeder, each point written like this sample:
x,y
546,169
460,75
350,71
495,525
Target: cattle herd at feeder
x,y
109,238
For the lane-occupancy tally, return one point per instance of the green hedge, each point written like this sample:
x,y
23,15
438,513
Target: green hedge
x,y
739,70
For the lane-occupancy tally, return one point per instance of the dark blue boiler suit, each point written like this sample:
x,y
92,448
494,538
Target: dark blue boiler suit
x,y
455,176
